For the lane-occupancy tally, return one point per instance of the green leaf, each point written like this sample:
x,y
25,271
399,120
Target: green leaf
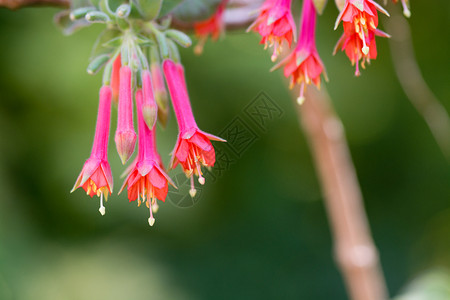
x,y
63,21
104,40
320,5
97,63
148,9
195,10
168,6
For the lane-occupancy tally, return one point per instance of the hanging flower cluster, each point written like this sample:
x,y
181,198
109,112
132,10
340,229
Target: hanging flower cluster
x,y
138,52
303,65
137,62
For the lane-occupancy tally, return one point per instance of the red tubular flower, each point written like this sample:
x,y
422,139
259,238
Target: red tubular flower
x,y
147,179
360,18
213,26
125,137
275,24
149,106
304,65
193,148
95,177
160,92
115,79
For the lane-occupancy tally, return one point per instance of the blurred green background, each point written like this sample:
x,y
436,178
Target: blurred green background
x,y
260,230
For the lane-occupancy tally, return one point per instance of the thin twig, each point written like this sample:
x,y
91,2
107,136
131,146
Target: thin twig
x,y
413,83
355,252
16,4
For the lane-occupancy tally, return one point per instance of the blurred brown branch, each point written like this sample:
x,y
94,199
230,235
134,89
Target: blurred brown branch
x,y
355,251
413,83
16,4
240,15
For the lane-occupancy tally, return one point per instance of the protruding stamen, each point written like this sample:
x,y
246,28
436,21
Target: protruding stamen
x,y
301,97
102,208
406,11
151,220
364,49
155,207
192,191
276,51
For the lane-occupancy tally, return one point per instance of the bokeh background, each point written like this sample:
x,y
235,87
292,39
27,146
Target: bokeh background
x,y
260,230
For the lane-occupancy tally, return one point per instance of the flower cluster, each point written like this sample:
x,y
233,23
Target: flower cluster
x,y
303,65
275,24
135,77
139,53
360,19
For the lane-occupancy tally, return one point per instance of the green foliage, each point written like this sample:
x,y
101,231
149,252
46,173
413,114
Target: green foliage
x,y
194,10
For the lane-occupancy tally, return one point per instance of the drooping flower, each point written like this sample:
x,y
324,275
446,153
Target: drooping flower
x,y
147,182
159,89
149,106
360,21
214,26
304,65
275,25
405,5
95,177
115,79
193,148
125,137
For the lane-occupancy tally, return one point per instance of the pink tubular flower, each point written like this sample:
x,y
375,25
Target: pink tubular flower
x,y
149,106
115,79
146,180
360,18
193,148
125,135
275,24
304,65
213,26
159,89
95,177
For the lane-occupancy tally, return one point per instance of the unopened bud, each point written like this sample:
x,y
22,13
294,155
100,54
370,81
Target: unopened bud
x,y
125,143
150,113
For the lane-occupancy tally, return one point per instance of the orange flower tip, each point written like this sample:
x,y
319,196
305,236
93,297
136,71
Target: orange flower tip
x,y
192,192
151,221
300,100
150,114
155,207
125,143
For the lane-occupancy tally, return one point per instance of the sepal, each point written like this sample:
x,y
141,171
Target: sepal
x,y
179,37
97,63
